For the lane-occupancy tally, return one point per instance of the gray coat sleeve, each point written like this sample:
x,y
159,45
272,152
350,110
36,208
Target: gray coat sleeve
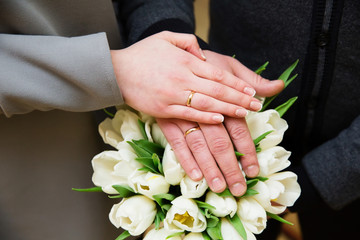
x,y
50,72
334,167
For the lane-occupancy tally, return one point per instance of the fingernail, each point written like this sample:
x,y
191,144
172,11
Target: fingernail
x,y
218,118
241,112
252,171
196,174
217,184
249,91
237,189
256,106
202,54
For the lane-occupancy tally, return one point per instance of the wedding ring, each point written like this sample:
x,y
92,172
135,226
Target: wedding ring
x,y
191,130
188,102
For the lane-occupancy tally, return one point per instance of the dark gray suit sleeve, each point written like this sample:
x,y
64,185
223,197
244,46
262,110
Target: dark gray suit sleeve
x,y
139,15
50,72
334,167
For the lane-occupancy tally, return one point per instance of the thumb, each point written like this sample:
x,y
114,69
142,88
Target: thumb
x,y
262,86
187,42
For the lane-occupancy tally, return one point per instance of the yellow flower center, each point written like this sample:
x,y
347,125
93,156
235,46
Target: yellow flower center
x,y
185,219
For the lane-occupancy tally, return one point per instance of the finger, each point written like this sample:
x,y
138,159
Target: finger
x,y
175,137
187,42
204,158
222,149
205,103
263,86
191,114
244,144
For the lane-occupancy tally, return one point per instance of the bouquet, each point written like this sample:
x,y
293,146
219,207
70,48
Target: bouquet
x,y
160,201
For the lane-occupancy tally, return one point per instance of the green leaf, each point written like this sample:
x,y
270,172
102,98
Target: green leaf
x,y
123,236
92,189
159,198
212,221
286,74
157,163
174,235
278,218
109,113
114,196
237,224
146,169
225,193
140,152
252,182
159,217
237,154
150,147
282,109
250,192
204,205
261,137
290,80
262,68
205,236
148,163
215,232
262,179
142,129
124,191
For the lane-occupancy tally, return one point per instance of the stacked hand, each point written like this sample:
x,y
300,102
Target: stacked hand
x,y
188,93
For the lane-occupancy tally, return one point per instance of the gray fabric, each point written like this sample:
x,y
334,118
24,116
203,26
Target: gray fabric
x,y
279,32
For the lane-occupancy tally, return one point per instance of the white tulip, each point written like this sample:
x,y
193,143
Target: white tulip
x,y
269,120
134,214
148,184
113,168
193,189
193,236
252,214
123,127
228,232
160,234
223,205
284,190
263,196
273,160
158,135
184,214
173,171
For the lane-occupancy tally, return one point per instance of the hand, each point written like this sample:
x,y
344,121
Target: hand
x,y
206,152
156,76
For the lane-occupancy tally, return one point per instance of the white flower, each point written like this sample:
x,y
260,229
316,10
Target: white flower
x,y
284,190
193,189
252,214
148,184
228,232
184,214
113,168
134,214
158,135
193,236
160,234
273,160
223,205
269,120
123,127
172,169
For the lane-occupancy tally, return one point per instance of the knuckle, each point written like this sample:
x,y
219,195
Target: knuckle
x,y
198,145
218,91
187,113
218,74
177,143
232,173
203,103
238,133
220,145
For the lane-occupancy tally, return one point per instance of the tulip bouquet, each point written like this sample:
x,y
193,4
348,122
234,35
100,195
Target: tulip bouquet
x,y
160,201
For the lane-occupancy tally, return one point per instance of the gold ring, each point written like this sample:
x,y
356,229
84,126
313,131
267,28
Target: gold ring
x,y
188,102
191,130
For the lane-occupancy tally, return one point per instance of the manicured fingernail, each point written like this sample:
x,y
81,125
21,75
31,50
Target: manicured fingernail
x,y
241,112
217,184
202,54
252,171
256,106
196,174
237,189
218,118
249,91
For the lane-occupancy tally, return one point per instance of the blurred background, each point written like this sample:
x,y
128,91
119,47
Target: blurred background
x,y
202,28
